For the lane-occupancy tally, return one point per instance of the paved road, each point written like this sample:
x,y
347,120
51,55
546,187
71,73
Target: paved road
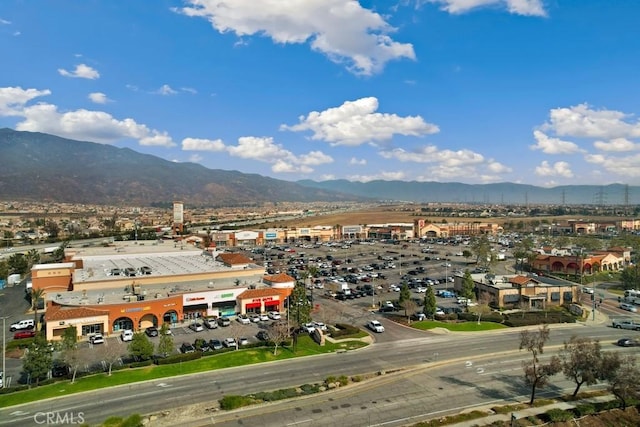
x,y
158,395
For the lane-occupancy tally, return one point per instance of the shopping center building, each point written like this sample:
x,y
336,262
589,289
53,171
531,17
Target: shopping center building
x,y
133,286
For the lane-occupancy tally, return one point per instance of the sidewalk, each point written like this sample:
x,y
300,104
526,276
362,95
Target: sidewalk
x,y
524,413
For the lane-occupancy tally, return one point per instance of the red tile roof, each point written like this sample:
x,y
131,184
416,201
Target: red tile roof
x,y
279,278
522,280
260,293
233,259
58,312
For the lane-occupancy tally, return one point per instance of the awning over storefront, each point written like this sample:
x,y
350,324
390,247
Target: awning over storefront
x,y
196,307
253,305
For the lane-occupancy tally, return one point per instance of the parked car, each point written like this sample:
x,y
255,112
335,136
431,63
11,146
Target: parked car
x,y
229,342
375,326
629,307
321,326
309,327
96,339
210,323
202,345
215,344
224,321
264,317
187,348
60,369
255,318
274,315
151,331
262,335
23,324
420,316
244,320
243,341
196,327
24,334
628,342
126,335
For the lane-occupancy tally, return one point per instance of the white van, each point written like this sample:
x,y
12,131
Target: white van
x,y
126,335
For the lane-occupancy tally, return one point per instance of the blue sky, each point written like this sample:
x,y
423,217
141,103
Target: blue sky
x,y
541,92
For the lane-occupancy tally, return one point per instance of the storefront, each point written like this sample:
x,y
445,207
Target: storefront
x,y
262,300
211,303
87,321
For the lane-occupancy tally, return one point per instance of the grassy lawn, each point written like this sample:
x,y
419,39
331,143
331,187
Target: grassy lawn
x,y
458,327
306,347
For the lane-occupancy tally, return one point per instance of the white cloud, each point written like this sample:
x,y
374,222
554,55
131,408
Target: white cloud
x,y
517,7
13,99
262,149
4,22
327,177
356,122
196,144
616,144
341,29
82,71
166,90
553,145
84,125
562,169
386,176
626,166
189,90
583,122
99,98
355,161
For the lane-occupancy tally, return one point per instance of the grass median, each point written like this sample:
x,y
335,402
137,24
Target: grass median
x,y
305,347
458,326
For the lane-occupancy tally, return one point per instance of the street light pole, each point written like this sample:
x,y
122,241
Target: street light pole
x,y
4,350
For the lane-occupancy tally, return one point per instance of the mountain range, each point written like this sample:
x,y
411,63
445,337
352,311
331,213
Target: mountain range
x,y
43,167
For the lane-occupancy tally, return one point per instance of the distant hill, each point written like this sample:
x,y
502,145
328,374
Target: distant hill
x,y
38,166
500,193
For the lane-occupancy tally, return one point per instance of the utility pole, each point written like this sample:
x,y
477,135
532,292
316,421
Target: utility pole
x,y
4,351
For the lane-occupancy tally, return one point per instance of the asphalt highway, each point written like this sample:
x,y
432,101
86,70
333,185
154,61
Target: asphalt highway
x,y
441,367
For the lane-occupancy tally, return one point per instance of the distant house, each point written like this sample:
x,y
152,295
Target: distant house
x,y
522,292
281,281
234,260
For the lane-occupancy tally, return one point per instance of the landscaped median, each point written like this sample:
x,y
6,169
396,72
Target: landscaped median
x,y
210,361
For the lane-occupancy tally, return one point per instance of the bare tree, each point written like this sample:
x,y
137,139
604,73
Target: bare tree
x,y
623,375
278,333
74,358
581,361
410,307
110,353
536,373
483,306
235,331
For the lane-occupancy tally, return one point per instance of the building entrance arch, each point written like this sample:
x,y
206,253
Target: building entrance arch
x,y
170,316
122,323
148,320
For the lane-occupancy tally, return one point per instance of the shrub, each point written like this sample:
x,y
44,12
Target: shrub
x,y
141,364
585,409
330,379
234,401
134,420
177,358
559,415
343,380
356,378
344,330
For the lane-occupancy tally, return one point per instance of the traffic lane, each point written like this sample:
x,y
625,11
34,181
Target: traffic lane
x,y
157,396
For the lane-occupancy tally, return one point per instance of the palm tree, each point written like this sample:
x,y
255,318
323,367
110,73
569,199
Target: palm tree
x,y
36,294
33,257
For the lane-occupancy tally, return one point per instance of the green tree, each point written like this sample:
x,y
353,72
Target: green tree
x,y
299,305
405,295
481,248
140,348
38,360
537,374
467,285
33,257
430,306
630,277
36,295
523,249
165,343
581,361
69,338
17,264
4,269
467,254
